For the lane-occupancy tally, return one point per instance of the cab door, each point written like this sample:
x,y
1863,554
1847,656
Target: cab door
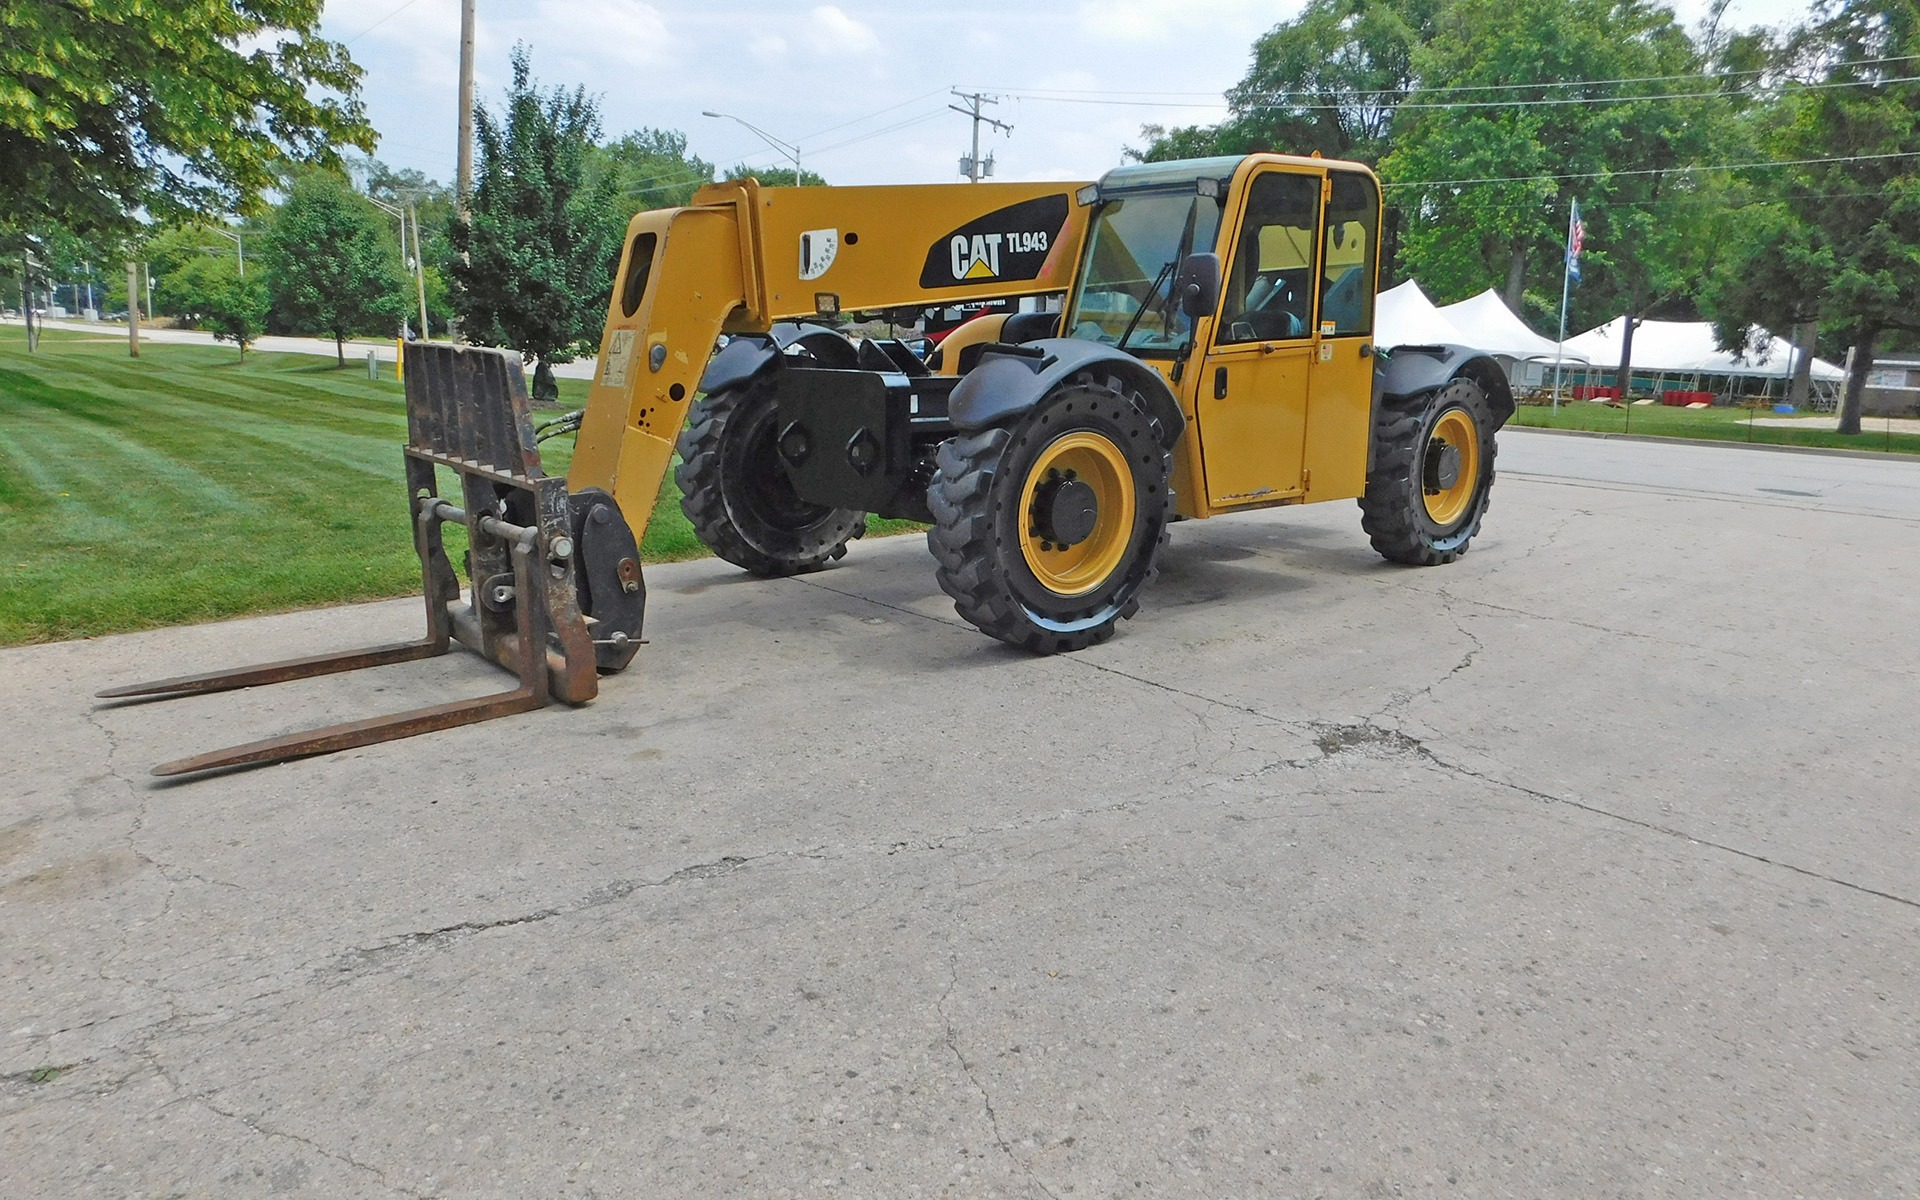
x,y
1340,423
1253,384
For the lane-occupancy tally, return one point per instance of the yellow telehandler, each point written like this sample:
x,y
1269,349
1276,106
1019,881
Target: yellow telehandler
x,y
1212,352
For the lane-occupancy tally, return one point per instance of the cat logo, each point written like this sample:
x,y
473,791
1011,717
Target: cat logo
x,y
1007,245
977,257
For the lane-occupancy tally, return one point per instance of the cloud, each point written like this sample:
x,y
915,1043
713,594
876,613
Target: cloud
x,y
831,31
619,30
768,47
1157,20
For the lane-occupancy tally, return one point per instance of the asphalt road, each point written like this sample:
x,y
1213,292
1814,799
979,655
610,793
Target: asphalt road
x,y
1585,866
383,349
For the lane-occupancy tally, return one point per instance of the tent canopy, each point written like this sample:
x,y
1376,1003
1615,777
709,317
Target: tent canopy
x,y
1687,348
1403,316
1491,326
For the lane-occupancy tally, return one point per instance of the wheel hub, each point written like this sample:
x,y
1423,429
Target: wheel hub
x,y
1443,465
1066,510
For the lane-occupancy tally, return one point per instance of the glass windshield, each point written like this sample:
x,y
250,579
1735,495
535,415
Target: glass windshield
x,y
1133,252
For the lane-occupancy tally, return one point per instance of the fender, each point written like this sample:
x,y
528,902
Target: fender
x,y
1011,380
1408,370
748,354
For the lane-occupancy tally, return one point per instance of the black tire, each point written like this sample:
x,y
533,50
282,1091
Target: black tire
x,y
738,497
1394,511
982,530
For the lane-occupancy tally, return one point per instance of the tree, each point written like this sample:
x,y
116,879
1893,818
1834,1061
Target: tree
x,y
331,265
1767,276
1328,80
775,176
650,168
116,107
1859,209
1505,103
535,259
209,290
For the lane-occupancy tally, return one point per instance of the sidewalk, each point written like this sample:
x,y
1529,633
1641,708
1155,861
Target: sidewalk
x,y
356,348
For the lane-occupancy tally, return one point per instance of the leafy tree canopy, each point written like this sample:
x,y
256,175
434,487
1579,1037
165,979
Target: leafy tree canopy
x,y
542,239
1329,80
1622,149
111,108
650,168
1836,240
776,176
331,264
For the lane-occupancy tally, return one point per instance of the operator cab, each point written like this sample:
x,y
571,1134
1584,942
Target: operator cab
x,y
1248,283
1152,217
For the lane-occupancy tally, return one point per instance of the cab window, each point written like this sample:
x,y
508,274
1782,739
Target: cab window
x,y
1269,292
1126,287
1349,249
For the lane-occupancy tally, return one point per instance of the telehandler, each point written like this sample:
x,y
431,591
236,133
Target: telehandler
x,y
1212,353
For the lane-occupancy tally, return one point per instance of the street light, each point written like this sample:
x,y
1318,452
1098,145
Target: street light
x,y
787,148
419,268
239,247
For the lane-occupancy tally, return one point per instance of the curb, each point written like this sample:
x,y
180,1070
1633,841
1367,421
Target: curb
x,y
1825,451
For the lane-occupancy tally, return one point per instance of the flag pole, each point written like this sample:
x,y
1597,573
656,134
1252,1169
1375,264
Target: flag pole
x,y
1566,287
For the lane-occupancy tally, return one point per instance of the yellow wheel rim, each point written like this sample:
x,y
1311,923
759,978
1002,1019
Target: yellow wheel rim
x,y
1450,469
1079,567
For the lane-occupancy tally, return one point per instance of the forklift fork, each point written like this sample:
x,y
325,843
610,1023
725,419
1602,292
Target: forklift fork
x,y
467,412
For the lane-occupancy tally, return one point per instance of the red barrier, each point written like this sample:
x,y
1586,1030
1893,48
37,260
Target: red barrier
x,y
1682,399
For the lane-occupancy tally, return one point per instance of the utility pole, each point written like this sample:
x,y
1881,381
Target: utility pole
x,y
463,171
971,166
26,298
133,309
419,269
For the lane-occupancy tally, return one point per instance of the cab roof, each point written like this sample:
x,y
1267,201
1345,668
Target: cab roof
x,y
1187,172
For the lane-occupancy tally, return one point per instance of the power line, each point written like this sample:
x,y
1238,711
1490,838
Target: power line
x,y
382,21
908,123
1389,93
877,112
1787,162
1358,97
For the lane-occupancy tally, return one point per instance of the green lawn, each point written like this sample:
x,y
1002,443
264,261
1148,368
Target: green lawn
x,y
184,486
1716,424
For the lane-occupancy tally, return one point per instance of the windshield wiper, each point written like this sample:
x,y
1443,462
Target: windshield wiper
x,y
1145,304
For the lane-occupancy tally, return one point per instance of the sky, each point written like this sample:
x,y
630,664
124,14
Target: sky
x,y
862,88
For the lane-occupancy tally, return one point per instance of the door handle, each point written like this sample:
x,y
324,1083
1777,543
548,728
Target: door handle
x,y
1219,383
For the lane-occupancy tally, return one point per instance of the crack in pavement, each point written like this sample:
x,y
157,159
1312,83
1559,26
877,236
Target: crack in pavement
x,y
345,1159
1340,735
612,893
986,1099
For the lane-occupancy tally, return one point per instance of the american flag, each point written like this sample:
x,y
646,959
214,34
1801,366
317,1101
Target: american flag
x,y
1576,239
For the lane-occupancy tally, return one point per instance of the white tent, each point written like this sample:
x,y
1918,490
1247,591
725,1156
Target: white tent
x,y
1403,316
1686,348
1491,326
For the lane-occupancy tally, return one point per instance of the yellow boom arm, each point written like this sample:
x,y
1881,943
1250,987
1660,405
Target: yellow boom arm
x,y
741,257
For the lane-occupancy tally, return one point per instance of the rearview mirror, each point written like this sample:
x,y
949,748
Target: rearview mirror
x,y
1198,284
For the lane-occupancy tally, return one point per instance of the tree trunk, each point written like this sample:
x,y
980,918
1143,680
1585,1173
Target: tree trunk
x,y
340,348
1858,364
544,387
1390,249
1624,378
1517,274
1805,339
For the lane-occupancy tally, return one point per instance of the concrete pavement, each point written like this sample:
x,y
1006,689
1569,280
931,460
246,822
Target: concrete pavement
x,y
1585,866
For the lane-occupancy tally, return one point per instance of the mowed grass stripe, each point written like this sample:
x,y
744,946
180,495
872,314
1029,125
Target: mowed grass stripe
x,y
86,443
198,488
